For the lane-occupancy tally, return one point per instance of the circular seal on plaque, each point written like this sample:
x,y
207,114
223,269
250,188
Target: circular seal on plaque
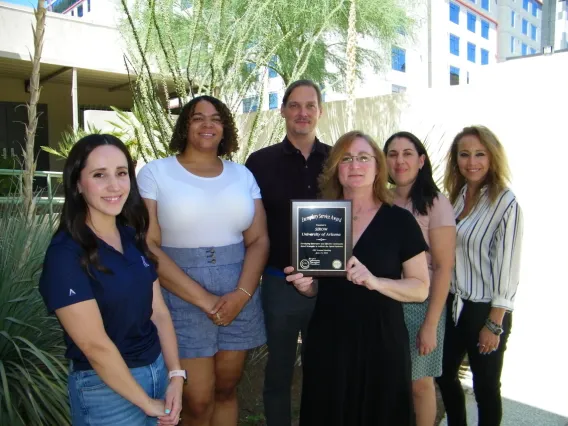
x,y
336,264
304,263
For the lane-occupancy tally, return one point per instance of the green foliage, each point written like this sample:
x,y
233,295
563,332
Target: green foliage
x,y
223,48
33,378
71,137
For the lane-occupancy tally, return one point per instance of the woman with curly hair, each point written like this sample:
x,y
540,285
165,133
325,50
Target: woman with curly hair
x,y
486,274
208,231
357,359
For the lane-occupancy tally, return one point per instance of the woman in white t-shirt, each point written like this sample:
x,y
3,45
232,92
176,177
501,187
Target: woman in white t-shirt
x,y
208,230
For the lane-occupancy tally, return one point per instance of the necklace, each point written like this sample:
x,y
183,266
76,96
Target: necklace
x,y
359,213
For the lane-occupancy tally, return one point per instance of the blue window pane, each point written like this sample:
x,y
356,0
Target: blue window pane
x,y
80,11
273,100
471,18
533,51
272,64
454,45
525,28
512,44
513,18
88,5
485,29
535,7
533,32
485,4
454,13
484,57
526,5
524,49
250,104
454,76
471,52
398,59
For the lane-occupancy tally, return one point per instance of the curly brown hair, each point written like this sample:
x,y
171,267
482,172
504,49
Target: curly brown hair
x,y
498,174
229,144
329,184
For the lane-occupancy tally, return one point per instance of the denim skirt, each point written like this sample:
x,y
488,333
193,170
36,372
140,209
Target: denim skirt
x,y
217,270
94,403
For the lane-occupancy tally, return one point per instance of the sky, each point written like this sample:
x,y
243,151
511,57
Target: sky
x,y
29,3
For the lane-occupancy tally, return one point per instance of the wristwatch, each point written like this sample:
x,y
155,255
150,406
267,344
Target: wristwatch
x,y
493,327
178,373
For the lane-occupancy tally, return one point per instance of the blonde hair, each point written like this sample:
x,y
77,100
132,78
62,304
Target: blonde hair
x,y
498,174
329,184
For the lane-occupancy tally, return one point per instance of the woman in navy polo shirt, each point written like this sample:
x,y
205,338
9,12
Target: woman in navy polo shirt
x,y
100,280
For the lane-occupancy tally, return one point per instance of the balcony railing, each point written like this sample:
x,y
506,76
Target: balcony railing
x,y
60,6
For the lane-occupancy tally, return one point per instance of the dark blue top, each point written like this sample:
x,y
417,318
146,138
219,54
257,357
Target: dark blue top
x,y
124,297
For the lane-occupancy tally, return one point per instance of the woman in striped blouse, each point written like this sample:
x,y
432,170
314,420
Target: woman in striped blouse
x,y
486,275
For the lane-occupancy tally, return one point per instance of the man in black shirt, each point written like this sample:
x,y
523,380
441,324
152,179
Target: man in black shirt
x,y
286,171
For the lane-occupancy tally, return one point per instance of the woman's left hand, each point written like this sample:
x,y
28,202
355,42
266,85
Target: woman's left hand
x,y
173,402
228,307
426,340
488,342
358,273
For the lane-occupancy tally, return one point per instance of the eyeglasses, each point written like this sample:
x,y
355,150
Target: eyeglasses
x,y
362,158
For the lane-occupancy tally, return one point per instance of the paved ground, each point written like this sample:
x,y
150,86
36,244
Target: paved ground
x,y
514,414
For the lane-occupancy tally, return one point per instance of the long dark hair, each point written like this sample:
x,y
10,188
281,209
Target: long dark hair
x,y
230,142
74,214
424,190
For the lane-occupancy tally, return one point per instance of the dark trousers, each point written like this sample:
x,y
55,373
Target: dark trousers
x,y
286,313
486,369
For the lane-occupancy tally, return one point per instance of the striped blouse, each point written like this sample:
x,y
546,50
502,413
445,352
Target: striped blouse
x,y
488,251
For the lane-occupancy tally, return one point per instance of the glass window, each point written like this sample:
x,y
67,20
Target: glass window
x,y
398,59
454,76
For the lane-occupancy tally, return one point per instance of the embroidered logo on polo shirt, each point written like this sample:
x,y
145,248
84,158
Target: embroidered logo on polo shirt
x,y
144,262
72,292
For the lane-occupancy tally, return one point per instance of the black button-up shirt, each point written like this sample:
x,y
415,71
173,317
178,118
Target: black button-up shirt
x,y
283,174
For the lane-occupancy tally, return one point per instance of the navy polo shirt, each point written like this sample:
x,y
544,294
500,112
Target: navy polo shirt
x,y
124,297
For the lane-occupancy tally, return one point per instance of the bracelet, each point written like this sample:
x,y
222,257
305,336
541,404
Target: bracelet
x,y
245,292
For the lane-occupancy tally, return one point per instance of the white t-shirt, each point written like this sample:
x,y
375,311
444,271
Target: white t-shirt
x,y
195,211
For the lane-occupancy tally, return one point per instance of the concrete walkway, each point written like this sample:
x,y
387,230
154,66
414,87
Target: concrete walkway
x,y
514,413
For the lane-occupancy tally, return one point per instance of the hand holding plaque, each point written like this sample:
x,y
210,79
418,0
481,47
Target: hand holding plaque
x,y
321,237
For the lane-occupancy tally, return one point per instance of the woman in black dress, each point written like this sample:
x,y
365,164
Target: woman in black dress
x,y
357,359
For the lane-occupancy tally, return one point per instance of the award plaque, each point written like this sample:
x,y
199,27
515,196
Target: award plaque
x,y
321,237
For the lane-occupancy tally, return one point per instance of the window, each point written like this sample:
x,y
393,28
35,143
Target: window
x,y
471,52
454,76
398,59
512,44
454,45
250,104
471,18
535,8
73,12
526,5
80,11
398,89
533,32
271,72
533,51
512,19
484,57
525,27
485,4
273,100
88,5
454,13
485,29
523,49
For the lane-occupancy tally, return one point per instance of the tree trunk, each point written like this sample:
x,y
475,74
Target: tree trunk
x,y
29,158
351,65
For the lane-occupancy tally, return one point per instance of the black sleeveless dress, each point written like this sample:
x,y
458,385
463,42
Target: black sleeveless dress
x,y
357,369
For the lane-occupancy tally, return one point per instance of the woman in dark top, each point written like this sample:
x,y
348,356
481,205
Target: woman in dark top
x,y
357,360
100,280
